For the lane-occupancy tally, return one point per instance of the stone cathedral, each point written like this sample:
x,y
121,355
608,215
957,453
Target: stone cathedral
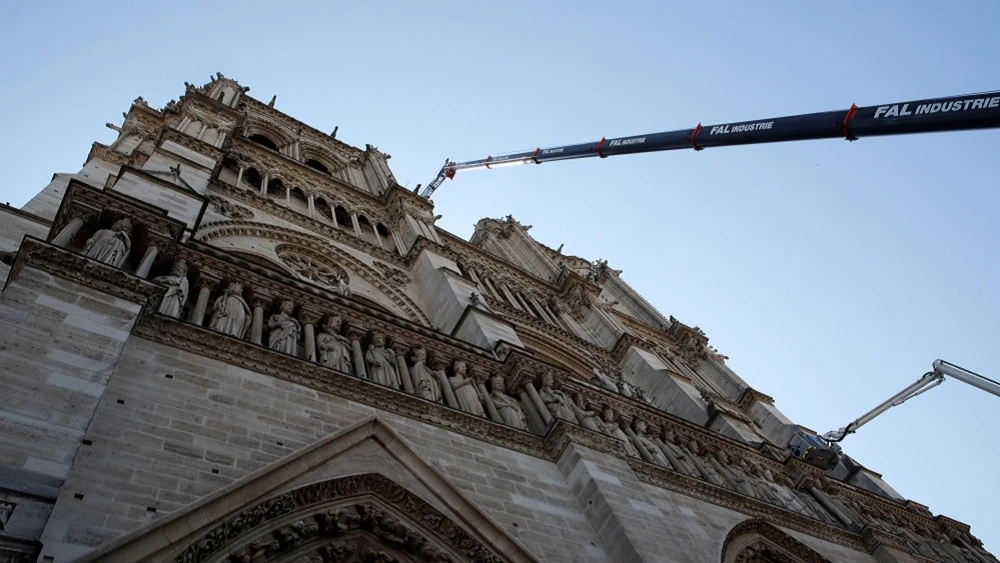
x,y
232,337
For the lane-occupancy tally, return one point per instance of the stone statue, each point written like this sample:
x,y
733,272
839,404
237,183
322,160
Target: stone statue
x,y
465,391
588,418
556,401
605,381
647,442
334,348
507,406
231,314
732,472
285,329
612,429
343,284
110,246
382,363
679,458
425,382
707,471
177,290
761,489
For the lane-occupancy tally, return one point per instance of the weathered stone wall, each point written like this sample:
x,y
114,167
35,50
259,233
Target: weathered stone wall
x,y
157,442
59,342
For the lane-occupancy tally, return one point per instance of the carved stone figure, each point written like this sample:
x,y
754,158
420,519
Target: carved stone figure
x,y
649,444
605,381
285,329
465,390
678,456
110,246
231,314
177,290
556,401
507,406
707,471
733,473
588,417
382,363
611,428
334,348
343,284
425,382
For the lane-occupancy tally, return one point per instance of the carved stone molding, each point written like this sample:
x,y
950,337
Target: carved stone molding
x,y
75,267
757,540
331,516
229,209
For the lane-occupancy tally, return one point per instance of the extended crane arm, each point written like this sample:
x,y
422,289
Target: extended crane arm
x,y
974,111
927,382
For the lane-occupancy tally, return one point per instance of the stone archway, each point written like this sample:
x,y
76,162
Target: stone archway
x,y
757,541
362,518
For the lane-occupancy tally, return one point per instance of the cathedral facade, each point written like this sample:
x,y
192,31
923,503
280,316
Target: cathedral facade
x,y
233,337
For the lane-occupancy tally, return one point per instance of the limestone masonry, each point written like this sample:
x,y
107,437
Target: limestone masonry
x,y
232,337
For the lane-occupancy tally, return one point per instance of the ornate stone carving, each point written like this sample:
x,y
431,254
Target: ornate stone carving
x,y
229,209
172,302
391,275
424,381
465,390
382,363
507,406
285,330
231,315
334,348
111,246
383,527
315,270
6,510
558,403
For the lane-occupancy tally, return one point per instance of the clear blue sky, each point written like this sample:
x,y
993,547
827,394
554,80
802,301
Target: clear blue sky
x,y
832,273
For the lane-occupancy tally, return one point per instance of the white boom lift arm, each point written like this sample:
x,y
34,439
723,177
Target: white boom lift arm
x,y
926,382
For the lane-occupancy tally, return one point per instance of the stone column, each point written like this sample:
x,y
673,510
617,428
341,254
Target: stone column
x,y
357,225
309,319
542,409
198,313
529,409
400,348
67,233
839,514
491,409
312,206
446,390
356,333
378,237
263,184
399,243
257,328
147,262
239,175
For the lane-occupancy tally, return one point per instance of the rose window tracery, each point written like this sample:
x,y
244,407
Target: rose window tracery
x,y
314,270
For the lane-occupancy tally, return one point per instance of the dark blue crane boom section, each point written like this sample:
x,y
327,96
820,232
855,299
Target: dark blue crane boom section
x,y
957,113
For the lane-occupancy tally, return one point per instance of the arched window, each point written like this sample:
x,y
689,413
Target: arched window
x,y
388,242
193,127
311,163
276,188
343,218
210,136
298,201
264,141
366,229
230,171
323,211
252,178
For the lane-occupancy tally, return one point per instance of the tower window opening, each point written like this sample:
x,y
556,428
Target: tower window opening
x,y
317,165
264,141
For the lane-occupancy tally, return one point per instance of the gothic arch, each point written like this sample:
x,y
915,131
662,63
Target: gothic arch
x,y
359,518
757,541
321,252
256,126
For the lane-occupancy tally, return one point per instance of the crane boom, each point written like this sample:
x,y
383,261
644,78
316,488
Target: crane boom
x,y
926,382
956,113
